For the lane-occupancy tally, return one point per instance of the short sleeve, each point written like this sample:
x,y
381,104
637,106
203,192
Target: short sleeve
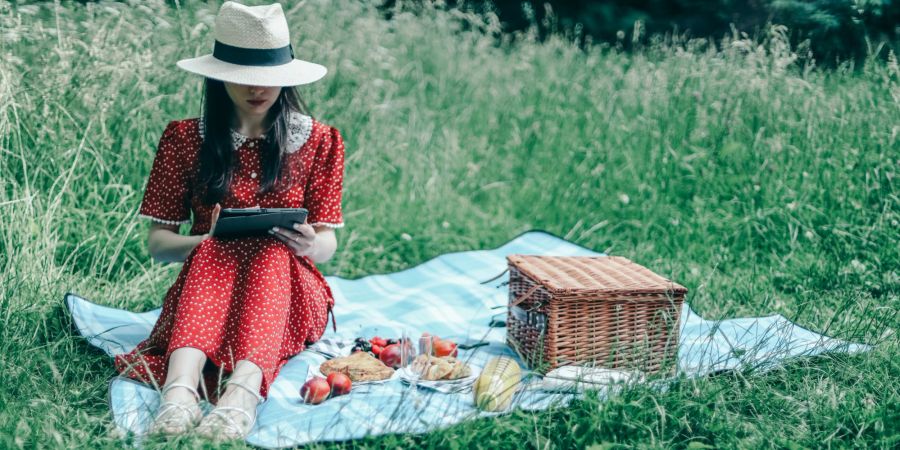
x,y
167,193
325,183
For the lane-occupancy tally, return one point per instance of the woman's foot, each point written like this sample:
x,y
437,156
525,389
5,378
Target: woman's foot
x,y
178,410
234,414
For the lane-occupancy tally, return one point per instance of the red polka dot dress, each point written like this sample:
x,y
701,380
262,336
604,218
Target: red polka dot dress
x,y
248,298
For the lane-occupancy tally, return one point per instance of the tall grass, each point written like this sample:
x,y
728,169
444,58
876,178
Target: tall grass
x,y
760,182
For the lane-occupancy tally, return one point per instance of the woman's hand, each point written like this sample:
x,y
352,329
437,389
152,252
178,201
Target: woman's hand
x,y
215,218
301,240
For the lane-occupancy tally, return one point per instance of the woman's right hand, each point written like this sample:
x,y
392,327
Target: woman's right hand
x,y
212,223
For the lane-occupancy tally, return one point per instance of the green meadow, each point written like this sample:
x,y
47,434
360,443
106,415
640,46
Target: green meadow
x,y
760,181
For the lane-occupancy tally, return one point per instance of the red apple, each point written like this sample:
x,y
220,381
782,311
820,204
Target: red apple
x,y
340,383
315,390
390,356
445,348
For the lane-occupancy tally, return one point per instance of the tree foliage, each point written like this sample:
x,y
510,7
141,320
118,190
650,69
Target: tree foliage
x,y
836,30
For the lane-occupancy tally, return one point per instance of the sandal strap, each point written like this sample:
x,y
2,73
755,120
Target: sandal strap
x,y
230,422
218,411
189,410
169,386
184,418
259,398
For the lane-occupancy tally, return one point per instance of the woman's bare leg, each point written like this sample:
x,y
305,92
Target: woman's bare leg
x,y
185,366
250,375
222,426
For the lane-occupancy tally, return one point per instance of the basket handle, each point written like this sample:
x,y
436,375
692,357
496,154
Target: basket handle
x,y
524,296
494,278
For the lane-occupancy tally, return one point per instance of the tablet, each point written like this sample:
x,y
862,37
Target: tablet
x,y
243,222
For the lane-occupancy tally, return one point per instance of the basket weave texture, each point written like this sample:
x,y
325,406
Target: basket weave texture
x,y
604,311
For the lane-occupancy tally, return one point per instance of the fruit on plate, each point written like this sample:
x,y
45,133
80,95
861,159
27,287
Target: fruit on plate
x,y
340,383
445,348
434,345
361,345
359,366
498,382
315,390
372,345
390,356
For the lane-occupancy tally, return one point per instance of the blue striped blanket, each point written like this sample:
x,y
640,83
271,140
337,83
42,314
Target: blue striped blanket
x,y
445,296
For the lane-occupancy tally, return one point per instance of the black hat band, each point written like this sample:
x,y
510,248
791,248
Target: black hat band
x,y
253,56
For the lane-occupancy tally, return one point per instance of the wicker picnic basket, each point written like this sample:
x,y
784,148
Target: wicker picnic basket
x,y
605,311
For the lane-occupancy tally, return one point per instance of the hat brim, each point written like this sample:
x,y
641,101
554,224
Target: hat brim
x,y
293,73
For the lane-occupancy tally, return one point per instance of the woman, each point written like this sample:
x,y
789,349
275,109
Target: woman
x,y
239,306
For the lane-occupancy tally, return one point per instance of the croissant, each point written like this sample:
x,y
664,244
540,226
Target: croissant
x,y
434,368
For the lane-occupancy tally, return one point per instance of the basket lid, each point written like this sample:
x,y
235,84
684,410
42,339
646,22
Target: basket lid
x,y
593,274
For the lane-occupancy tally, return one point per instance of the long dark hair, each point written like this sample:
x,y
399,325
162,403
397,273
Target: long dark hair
x,y
217,152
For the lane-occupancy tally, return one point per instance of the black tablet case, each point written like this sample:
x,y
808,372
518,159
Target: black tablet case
x,y
243,222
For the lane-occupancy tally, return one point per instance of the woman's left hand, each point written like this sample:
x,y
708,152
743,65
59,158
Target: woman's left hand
x,y
301,240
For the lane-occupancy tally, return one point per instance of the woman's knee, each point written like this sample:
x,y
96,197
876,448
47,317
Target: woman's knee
x,y
271,252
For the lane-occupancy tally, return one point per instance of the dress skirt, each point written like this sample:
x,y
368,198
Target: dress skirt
x,y
235,299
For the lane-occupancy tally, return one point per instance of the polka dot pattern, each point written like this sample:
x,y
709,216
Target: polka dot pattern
x,y
247,298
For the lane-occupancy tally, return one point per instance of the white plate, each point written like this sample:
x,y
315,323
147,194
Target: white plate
x,y
410,377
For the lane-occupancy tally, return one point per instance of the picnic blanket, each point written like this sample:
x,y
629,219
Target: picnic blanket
x,y
447,296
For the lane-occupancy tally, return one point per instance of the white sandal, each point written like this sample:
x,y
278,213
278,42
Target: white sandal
x,y
228,428
184,418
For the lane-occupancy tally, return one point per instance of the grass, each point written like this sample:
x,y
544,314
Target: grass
x,y
759,181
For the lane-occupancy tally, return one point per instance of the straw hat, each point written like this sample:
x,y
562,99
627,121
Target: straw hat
x,y
253,47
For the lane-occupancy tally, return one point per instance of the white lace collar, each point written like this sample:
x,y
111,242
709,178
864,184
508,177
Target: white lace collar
x,y
299,129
